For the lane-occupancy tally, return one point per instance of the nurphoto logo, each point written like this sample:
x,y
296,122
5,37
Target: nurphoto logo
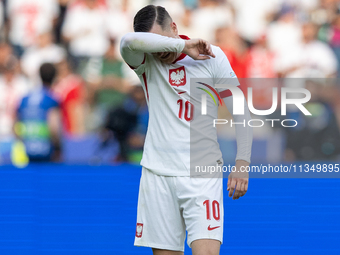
x,y
239,104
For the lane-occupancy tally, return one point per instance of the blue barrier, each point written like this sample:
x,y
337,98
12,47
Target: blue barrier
x,y
59,209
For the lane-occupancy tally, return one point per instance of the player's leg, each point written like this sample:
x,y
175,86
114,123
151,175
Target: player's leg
x,y
166,252
205,247
202,205
160,224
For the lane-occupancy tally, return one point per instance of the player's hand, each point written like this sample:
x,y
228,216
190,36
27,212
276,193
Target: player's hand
x,y
238,180
198,49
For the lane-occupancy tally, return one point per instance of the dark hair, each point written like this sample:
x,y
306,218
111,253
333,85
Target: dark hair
x,y
147,16
47,73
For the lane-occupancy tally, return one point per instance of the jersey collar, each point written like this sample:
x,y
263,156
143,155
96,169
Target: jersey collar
x,y
184,37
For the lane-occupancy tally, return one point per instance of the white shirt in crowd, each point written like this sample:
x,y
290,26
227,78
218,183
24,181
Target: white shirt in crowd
x,y
204,21
29,18
34,57
251,16
285,40
88,30
316,60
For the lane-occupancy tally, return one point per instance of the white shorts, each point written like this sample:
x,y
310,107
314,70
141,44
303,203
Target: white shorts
x,y
170,206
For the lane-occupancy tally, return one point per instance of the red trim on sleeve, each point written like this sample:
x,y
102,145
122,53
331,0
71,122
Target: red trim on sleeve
x,y
180,58
146,85
184,37
226,93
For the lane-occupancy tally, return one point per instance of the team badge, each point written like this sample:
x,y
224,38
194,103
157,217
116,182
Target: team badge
x,y
177,77
139,230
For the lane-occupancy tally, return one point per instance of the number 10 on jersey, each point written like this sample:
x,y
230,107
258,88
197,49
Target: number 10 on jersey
x,y
188,110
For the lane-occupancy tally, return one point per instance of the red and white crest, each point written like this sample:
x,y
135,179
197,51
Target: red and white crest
x,y
139,230
177,77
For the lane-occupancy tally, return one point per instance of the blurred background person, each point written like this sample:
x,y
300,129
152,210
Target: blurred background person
x,y
210,15
38,120
315,58
86,29
70,90
29,18
13,87
235,48
6,53
113,87
284,39
128,125
252,17
45,51
317,137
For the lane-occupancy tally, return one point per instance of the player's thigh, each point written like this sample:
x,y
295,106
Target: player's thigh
x,y
206,247
160,224
166,252
202,205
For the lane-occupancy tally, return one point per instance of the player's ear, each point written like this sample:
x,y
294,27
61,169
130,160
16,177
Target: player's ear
x,y
174,28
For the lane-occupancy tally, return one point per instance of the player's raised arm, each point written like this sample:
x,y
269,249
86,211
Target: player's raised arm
x,y
134,45
155,32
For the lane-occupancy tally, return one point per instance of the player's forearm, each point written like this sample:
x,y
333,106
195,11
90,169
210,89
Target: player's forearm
x,y
244,133
134,45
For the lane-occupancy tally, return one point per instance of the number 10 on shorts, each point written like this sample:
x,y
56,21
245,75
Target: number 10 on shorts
x,y
215,206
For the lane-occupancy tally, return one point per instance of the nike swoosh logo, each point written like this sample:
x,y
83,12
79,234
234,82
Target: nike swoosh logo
x,y
210,228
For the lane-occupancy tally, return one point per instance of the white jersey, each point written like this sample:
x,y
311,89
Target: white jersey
x,y
170,99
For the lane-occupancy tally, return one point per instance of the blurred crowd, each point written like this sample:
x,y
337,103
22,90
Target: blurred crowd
x,y
93,87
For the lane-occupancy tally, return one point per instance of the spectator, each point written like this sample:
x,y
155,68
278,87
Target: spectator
x,y
335,39
210,15
316,59
235,48
85,28
6,54
261,66
13,87
317,136
38,120
136,102
28,19
107,85
119,20
45,51
70,90
129,125
113,87
60,21
252,17
261,60
284,39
